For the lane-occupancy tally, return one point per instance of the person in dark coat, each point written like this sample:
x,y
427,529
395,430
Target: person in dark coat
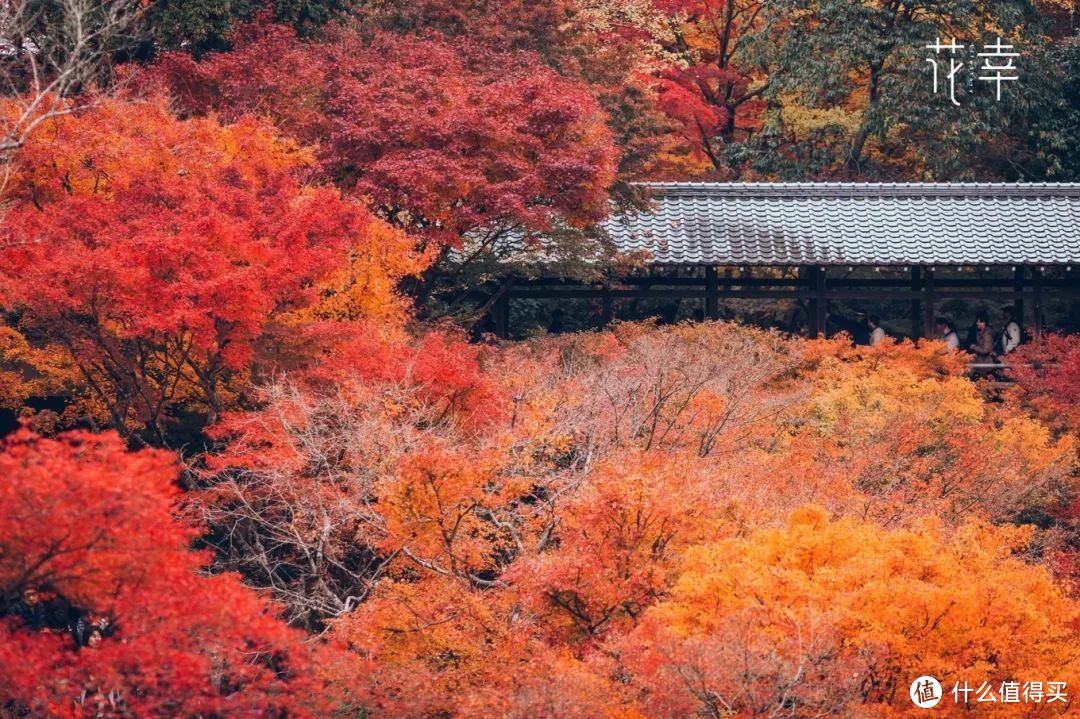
x,y
983,346
557,325
48,611
969,337
860,330
835,323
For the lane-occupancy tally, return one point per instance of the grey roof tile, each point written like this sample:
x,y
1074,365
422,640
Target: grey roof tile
x,y
856,224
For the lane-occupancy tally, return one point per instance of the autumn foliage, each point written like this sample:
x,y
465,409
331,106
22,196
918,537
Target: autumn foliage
x,y
572,499
839,616
446,136
1049,380
691,520
89,547
156,257
252,478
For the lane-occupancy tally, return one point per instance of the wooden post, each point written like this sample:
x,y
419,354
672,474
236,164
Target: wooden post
x,y
606,313
500,315
927,290
919,328
712,304
819,309
1018,292
1037,283
822,302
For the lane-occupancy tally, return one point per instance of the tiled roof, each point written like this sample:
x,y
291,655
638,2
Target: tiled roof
x,y
855,224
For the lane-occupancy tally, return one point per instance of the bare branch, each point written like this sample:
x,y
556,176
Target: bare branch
x,y
52,52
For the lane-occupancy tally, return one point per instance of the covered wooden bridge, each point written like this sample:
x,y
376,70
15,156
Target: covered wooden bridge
x,y
819,243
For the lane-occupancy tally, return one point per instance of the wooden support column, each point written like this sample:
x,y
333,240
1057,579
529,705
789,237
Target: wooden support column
x,y
1037,284
919,328
1018,292
497,310
606,313
500,315
712,302
819,306
929,321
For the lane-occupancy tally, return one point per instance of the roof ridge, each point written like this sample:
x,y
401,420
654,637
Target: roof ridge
x,y
864,189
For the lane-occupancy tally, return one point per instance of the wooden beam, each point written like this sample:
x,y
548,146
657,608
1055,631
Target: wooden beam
x,y
830,293
792,282
698,284
821,289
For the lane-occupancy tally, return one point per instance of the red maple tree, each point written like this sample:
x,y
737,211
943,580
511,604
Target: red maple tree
x,y
108,613
159,255
446,136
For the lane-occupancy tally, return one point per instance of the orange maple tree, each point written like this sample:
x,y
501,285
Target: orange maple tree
x,y
544,499
838,617
714,85
905,429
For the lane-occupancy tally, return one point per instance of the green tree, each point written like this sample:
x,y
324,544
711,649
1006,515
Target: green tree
x,y
202,25
853,81
1048,146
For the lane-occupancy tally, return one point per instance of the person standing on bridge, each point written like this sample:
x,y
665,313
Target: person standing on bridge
x,y
947,332
1011,337
877,332
860,330
983,347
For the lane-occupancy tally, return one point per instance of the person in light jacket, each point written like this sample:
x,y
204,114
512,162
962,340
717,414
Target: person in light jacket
x,y
1011,337
947,333
877,332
